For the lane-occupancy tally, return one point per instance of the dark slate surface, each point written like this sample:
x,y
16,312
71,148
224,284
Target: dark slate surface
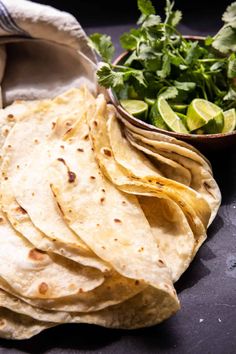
x,y
206,323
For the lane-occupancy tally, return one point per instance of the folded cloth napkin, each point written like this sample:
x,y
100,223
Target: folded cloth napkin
x,y
43,52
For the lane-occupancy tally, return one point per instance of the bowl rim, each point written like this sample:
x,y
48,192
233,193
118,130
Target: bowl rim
x,y
147,126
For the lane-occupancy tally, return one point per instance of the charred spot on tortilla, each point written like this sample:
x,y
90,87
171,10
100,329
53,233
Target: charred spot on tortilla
x,y
43,288
161,263
118,221
11,118
37,255
62,160
21,210
71,176
80,150
107,152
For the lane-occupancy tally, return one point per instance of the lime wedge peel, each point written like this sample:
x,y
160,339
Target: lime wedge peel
x,y
214,125
200,111
229,121
172,120
137,108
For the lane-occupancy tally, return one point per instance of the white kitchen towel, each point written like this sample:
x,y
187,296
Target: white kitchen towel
x,y
43,52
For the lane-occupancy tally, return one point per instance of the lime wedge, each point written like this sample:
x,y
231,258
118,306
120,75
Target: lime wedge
x,y
230,121
158,122
172,120
214,125
183,117
137,108
155,118
150,101
199,112
179,108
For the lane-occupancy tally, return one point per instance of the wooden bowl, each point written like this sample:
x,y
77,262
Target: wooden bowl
x,y
203,142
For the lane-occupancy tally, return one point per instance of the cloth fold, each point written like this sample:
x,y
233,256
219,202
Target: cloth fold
x,y
43,52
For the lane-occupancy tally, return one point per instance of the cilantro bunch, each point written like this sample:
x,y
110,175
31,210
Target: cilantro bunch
x,y
161,61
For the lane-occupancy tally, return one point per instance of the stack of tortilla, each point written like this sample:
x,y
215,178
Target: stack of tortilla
x,y
98,218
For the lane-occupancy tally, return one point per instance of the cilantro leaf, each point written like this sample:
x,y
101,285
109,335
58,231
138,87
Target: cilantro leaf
x,y
231,95
129,40
146,7
225,40
185,86
174,18
103,46
151,20
230,13
169,93
165,70
168,9
231,71
194,52
108,77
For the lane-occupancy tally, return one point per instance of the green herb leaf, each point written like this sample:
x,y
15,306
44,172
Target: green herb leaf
x,y
225,40
151,20
169,93
108,77
185,86
103,46
194,52
165,70
217,66
174,18
231,95
136,75
230,13
129,40
146,7
231,71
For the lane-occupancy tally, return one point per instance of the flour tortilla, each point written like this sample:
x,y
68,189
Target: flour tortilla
x,y
24,177
50,281
144,309
202,179
37,275
16,326
154,186
121,208
185,148
104,217
123,170
11,114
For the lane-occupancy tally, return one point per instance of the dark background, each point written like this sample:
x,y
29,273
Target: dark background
x,y
101,12
200,17
206,323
